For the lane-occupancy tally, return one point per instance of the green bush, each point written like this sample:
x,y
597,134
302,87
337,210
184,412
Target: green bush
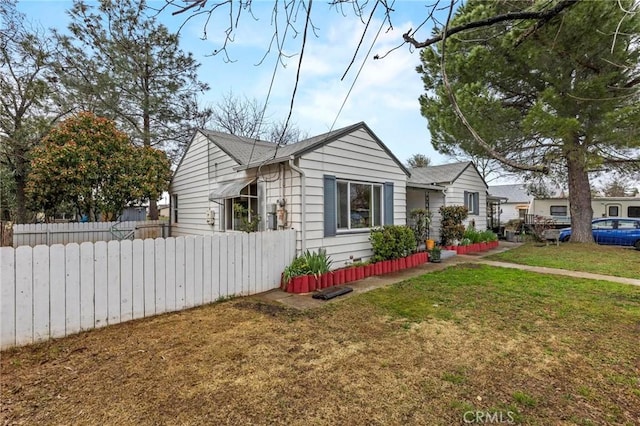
x,y
392,242
451,227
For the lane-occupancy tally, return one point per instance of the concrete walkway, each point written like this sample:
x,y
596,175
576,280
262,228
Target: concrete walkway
x,y
305,301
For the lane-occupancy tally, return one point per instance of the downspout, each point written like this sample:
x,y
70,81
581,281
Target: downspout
x,y
303,209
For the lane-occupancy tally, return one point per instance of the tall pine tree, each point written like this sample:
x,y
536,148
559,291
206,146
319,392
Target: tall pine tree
x,y
121,63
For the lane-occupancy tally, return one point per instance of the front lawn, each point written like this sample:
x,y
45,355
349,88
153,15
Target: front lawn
x,y
598,259
538,349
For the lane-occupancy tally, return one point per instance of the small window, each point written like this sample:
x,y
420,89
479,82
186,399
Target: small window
x,y
472,202
242,209
633,211
613,211
522,213
174,206
558,211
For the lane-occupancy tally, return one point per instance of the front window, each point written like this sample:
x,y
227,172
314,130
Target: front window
x,y
613,211
242,209
359,205
558,210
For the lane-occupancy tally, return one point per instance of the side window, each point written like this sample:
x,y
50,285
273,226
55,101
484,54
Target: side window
x,y
613,211
633,211
472,202
558,211
174,206
627,224
604,224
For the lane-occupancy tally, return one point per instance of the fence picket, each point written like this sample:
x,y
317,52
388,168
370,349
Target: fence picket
x,y
189,245
126,281
7,297
41,295
113,282
101,284
170,274
24,295
180,272
197,270
72,288
57,288
160,285
149,277
138,279
206,269
87,287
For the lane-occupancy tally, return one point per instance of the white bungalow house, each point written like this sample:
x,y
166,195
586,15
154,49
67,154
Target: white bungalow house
x,y
331,188
448,184
516,200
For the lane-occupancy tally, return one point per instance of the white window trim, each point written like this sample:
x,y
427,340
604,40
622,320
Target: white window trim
x,y
350,230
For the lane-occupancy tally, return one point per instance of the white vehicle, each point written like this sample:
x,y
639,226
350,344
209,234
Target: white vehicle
x,y
558,208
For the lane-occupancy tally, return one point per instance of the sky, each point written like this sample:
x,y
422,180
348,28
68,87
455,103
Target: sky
x,y
385,93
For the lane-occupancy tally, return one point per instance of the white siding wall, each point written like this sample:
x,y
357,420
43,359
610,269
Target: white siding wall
x,y
203,164
416,199
355,156
511,211
470,181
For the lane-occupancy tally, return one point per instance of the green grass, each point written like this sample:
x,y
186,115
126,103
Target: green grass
x,y
580,332
607,260
508,297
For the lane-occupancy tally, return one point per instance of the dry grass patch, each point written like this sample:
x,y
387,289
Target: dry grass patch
x,y
548,350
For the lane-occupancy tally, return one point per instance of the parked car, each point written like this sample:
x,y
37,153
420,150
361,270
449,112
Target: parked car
x,y
620,232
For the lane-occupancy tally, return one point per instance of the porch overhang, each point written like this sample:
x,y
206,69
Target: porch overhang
x,y
430,186
229,189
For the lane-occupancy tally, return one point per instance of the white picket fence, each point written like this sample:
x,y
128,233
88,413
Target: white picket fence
x,y
33,234
54,291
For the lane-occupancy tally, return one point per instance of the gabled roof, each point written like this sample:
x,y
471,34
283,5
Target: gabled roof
x,y
443,174
240,149
514,193
250,153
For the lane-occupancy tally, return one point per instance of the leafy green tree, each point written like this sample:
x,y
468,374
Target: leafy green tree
x,y
121,63
558,94
418,160
28,103
88,163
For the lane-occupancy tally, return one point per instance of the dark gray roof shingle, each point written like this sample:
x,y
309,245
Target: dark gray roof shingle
x,y
514,193
445,173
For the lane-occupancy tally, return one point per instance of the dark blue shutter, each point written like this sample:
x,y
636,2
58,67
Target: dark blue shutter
x,y
476,203
329,206
466,202
388,203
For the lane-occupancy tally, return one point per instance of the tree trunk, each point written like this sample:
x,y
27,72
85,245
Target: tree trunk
x,y
579,197
21,199
146,128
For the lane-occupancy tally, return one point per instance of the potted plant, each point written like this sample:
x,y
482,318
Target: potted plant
x,y
434,254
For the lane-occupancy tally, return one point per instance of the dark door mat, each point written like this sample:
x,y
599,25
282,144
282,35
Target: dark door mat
x,y
331,292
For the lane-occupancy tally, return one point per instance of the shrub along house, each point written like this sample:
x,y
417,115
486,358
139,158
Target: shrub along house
x,y
447,185
332,189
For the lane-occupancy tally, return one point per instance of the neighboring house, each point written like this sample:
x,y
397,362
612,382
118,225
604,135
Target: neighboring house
x,y
331,188
515,201
448,184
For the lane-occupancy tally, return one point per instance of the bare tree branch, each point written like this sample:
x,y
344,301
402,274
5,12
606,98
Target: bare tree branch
x,y
511,16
